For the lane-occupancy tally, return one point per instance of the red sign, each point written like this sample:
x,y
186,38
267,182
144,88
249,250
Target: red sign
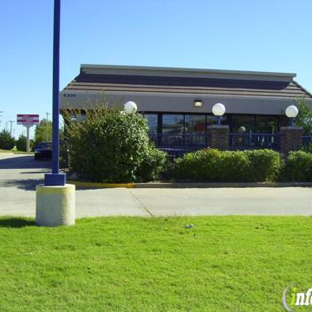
x,y
27,119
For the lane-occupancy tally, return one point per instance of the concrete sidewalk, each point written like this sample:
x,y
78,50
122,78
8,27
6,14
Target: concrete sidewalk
x,y
171,202
191,202
19,175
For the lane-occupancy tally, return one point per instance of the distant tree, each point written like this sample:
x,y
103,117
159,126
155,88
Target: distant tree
x,y
7,142
21,143
304,118
43,131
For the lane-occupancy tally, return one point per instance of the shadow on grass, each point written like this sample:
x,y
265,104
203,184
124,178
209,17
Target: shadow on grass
x,y
15,222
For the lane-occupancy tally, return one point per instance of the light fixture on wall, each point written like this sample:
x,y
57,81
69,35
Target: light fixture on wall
x,y
198,103
218,110
291,112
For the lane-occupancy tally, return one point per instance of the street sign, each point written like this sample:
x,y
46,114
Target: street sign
x,y
27,119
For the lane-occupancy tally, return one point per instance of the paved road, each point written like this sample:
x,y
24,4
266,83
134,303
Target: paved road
x,y
19,176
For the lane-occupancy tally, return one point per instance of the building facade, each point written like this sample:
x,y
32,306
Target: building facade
x,y
179,101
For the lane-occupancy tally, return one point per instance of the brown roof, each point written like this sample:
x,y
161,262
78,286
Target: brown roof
x,y
166,84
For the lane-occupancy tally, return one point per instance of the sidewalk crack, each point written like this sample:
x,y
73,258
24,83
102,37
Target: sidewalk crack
x,y
141,204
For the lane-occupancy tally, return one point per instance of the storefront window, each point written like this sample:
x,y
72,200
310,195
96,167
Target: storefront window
x,y
195,129
152,120
266,124
195,123
173,124
212,120
254,124
242,124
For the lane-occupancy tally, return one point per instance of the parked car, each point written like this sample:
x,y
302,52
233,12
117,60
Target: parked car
x,y
43,150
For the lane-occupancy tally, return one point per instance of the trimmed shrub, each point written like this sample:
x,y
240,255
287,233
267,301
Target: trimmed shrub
x,y
113,147
198,166
297,167
265,165
211,165
234,167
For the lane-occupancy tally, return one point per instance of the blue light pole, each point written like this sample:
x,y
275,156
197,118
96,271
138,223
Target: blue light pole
x,y
56,178
55,200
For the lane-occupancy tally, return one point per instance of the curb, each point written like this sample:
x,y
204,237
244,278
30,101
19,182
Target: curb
x,y
100,185
222,185
188,185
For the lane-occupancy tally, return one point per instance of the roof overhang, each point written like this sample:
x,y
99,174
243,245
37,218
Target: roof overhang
x,y
184,72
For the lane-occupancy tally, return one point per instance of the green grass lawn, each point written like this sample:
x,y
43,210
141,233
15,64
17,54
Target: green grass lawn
x,y
5,151
154,264
14,151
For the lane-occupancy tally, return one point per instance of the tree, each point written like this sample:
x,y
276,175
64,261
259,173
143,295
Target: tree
x,y
7,142
43,131
112,147
304,118
21,143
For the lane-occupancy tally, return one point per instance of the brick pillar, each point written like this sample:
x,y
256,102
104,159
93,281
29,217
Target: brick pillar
x,y
218,137
291,139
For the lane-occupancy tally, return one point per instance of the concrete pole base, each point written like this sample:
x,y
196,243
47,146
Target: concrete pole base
x,y
55,205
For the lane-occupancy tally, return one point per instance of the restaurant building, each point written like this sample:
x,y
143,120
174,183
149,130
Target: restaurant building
x,y
179,101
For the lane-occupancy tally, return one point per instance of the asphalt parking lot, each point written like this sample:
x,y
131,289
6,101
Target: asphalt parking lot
x,y
19,175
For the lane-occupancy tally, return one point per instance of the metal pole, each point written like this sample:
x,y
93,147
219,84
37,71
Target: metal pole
x,y
55,200
27,139
56,73
56,178
11,126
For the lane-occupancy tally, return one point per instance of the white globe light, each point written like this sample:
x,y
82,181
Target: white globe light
x,y
218,109
291,111
130,107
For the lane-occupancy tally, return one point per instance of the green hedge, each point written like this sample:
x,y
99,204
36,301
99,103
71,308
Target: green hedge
x,y
211,165
297,167
265,165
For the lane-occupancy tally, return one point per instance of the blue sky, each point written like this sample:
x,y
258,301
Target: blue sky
x,y
266,35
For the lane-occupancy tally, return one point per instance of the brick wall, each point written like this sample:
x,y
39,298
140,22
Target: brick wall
x,y
291,139
218,137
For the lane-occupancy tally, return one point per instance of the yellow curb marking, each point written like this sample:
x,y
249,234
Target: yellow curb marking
x,y
102,185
